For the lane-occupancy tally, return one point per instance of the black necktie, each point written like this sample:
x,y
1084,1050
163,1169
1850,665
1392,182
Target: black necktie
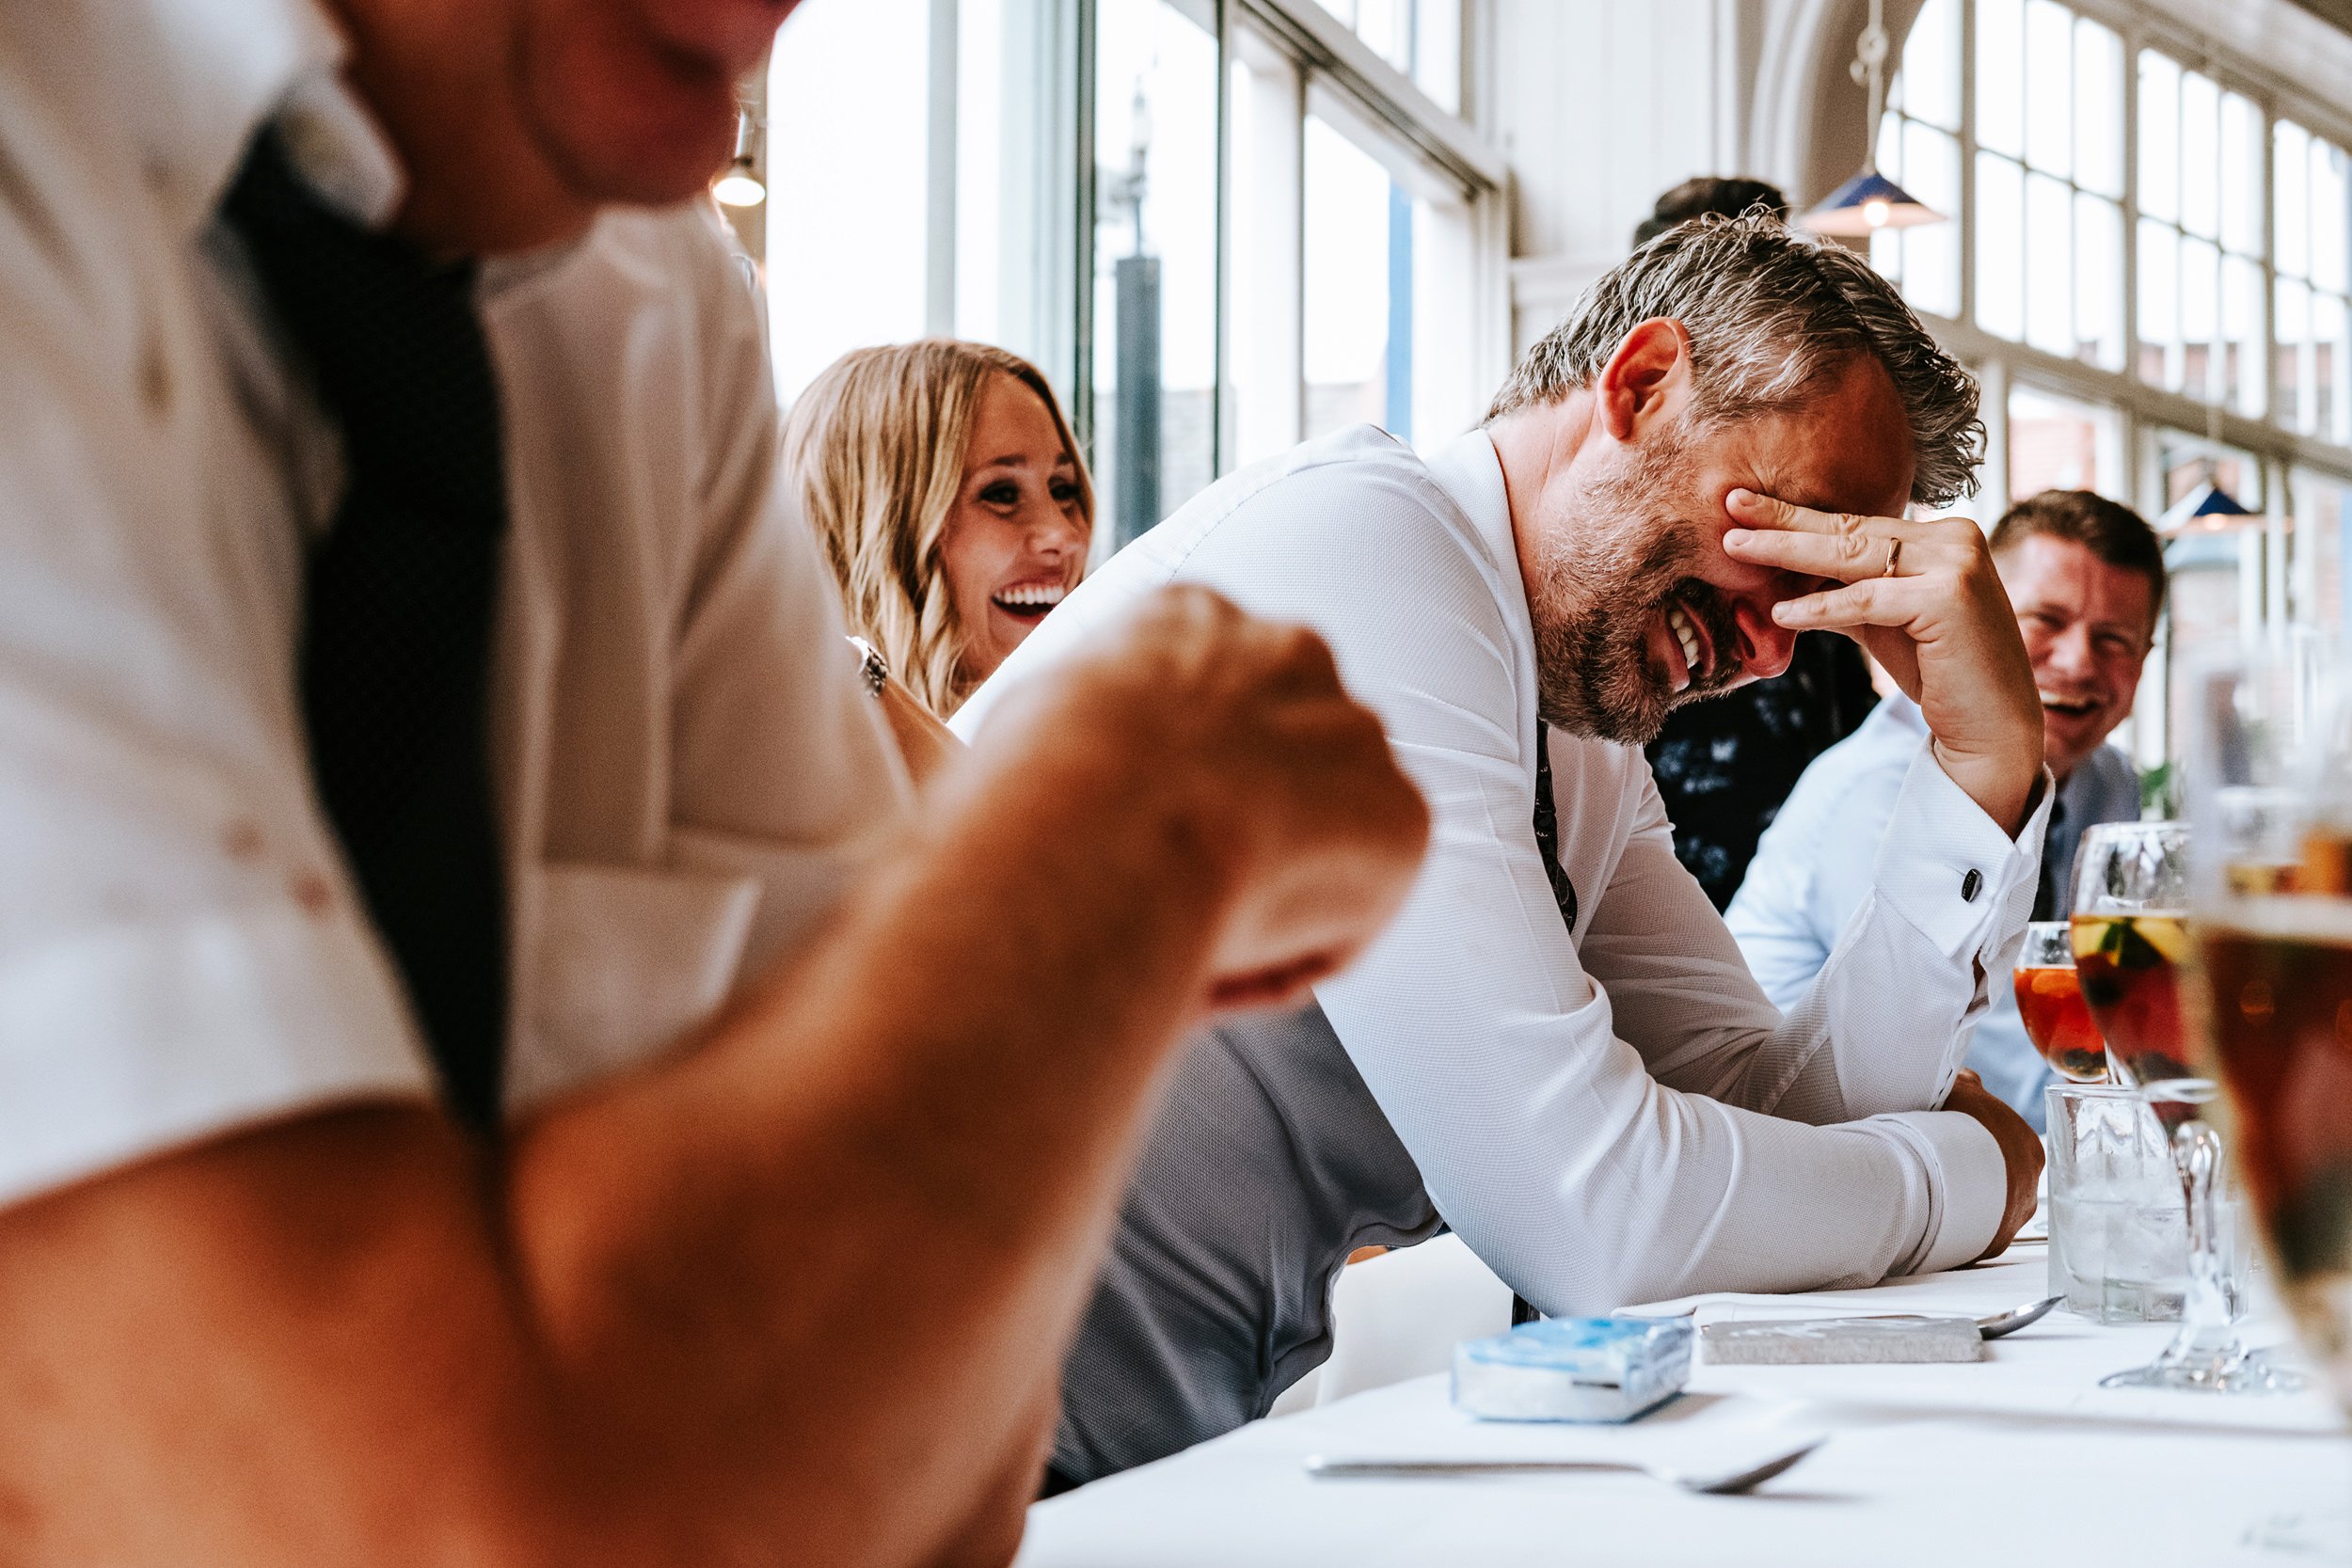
x,y
2051,897
1563,893
400,599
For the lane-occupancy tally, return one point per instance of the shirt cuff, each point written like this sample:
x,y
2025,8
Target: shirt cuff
x,y
1947,867
1968,1183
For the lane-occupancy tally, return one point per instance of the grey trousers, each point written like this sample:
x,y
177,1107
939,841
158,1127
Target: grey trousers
x,y
1268,1163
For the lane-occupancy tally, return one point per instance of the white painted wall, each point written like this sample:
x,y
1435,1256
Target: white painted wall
x,y
1600,105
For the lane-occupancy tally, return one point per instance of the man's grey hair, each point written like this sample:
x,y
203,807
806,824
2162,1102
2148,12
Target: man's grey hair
x,y
1774,316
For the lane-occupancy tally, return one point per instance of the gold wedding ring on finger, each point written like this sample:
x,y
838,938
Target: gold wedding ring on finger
x,y
1894,553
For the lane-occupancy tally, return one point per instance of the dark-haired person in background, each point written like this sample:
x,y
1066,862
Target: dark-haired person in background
x,y
2086,577
1724,767
1729,196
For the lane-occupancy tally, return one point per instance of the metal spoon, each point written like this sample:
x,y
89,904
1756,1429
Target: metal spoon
x,y
2016,1317
1718,1483
1996,1326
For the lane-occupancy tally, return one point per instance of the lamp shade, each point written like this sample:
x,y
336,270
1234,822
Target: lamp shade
x,y
1867,203
739,187
2207,507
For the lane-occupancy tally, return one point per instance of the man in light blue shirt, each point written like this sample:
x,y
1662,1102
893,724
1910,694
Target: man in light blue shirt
x,y
2086,577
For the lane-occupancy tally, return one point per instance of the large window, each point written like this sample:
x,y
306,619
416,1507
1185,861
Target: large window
x,y
1919,148
1218,226
2323,568
2200,237
2049,171
2149,261
2061,443
846,193
1422,39
1155,157
2314,357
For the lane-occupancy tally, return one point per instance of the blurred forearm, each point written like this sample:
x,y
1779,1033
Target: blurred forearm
x,y
796,1292
952,1082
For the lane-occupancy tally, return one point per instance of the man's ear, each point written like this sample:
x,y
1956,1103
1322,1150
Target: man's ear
x,y
1647,380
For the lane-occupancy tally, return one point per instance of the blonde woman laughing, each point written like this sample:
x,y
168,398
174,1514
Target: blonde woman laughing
x,y
952,501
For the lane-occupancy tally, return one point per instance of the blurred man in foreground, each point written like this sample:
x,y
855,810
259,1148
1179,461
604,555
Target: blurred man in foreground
x,y
491,1071
1557,1048
2086,577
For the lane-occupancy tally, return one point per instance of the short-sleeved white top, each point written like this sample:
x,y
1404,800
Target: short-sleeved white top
x,y
686,765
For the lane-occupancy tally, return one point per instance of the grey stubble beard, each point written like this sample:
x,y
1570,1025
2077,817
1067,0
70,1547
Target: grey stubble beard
x,y
1591,612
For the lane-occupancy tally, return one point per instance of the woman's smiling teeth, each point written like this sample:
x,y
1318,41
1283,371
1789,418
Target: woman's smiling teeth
x,y
1029,600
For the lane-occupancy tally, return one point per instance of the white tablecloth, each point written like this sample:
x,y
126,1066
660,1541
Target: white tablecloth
x,y
2019,1460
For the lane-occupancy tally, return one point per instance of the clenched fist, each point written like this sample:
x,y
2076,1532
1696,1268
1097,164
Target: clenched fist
x,y
1230,747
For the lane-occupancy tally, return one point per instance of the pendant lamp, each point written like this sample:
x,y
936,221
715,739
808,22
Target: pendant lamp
x,y
2207,508
740,186
1869,202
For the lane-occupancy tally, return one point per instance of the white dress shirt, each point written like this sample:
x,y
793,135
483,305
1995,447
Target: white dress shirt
x,y
1618,1116
685,762
1820,858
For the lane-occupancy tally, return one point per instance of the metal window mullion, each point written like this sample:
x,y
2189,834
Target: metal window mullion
x,y
941,171
1298,246
1968,164
2267,350
2176,232
1081,388
2131,202
1335,55
1993,490
2073,187
1221,292
2275,609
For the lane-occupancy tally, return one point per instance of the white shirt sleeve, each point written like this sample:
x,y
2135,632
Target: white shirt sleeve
x,y
783,766
1870,819
1885,1022
180,949
1542,1134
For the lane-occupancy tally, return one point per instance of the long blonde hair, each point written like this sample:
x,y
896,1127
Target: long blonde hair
x,y
876,447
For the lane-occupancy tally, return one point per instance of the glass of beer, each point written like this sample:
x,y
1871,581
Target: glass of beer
x,y
2271,788
2131,949
2050,1000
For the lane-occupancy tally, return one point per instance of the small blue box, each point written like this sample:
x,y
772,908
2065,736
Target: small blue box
x,y
1573,1369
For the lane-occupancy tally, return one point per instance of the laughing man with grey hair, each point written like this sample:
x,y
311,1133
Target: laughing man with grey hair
x,y
1556,1049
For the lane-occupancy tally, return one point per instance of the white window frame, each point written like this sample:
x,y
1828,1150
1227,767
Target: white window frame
x,y
1342,81
1387,113
2144,410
